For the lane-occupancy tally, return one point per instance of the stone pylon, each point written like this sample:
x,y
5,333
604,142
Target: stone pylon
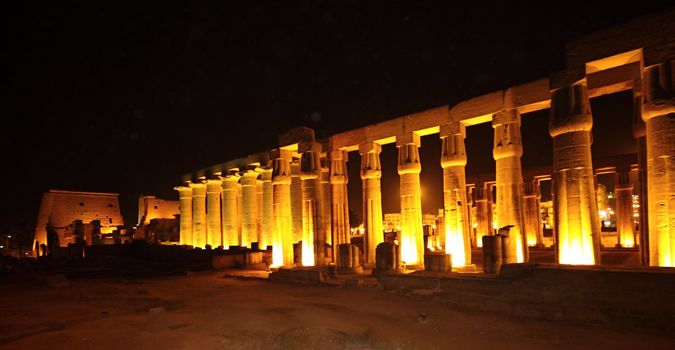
x,y
482,197
576,218
313,240
456,216
409,168
532,214
214,236
339,199
198,214
185,198
265,207
623,191
282,242
371,172
230,208
507,151
249,210
658,112
296,199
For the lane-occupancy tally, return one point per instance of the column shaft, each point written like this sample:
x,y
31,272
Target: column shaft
x,y
508,148
296,200
456,217
482,198
282,246
640,133
623,191
532,215
198,214
267,219
339,199
371,172
249,217
185,197
214,236
313,240
576,219
326,201
658,112
412,234
230,209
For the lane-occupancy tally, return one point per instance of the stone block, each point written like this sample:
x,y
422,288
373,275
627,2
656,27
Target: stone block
x,y
439,262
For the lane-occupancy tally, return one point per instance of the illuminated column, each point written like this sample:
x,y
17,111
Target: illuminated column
x,y
640,134
214,236
532,217
313,241
185,197
658,112
409,168
482,197
508,148
456,217
576,218
623,190
267,217
249,209
282,245
371,172
198,214
259,209
230,210
325,201
296,200
339,199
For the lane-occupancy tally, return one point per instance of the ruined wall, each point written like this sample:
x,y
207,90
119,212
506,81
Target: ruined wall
x,y
150,207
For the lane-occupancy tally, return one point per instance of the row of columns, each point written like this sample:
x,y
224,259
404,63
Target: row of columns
x,y
307,201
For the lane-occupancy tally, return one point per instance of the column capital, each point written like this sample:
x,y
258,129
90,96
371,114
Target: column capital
x,y
409,159
310,162
508,116
370,147
658,90
410,138
507,139
570,110
338,167
454,128
184,191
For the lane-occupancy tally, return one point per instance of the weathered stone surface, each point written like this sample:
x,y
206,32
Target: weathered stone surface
x,y
440,262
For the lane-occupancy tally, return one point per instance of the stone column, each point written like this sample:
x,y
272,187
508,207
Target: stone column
x,y
326,201
198,214
533,224
214,236
482,198
508,148
267,217
371,172
185,197
456,217
576,218
249,209
640,134
282,246
230,210
409,168
339,199
259,209
313,241
623,191
296,200
658,112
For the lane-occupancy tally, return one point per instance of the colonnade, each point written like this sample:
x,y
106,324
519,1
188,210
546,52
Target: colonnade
x,y
299,194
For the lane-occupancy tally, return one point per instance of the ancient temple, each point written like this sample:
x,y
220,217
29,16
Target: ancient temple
x,y
297,192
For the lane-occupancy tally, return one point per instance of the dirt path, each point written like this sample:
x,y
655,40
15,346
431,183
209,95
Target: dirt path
x,y
208,311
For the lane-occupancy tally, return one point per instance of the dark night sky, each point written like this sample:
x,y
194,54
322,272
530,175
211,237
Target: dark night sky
x,y
127,98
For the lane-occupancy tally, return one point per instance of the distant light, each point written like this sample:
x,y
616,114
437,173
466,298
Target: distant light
x,y
2,246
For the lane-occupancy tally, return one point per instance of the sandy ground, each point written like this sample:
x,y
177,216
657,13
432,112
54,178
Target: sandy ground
x,y
208,311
